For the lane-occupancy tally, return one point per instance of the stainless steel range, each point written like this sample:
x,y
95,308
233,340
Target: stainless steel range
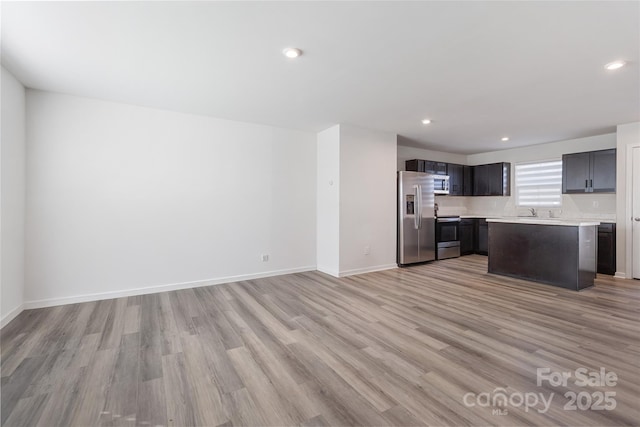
x,y
448,237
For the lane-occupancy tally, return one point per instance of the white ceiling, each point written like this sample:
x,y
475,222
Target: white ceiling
x,y
481,70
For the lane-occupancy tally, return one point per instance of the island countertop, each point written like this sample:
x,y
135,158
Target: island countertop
x,y
544,221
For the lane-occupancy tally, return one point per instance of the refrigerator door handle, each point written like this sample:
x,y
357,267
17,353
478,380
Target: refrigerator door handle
x,y
419,206
416,207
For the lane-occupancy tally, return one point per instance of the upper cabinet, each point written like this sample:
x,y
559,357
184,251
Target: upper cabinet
x,y
591,172
437,168
460,180
467,183
575,172
414,165
481,180
428,166
456,179
603,171
492,179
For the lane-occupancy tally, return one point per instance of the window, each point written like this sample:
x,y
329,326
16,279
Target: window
x,y
539,184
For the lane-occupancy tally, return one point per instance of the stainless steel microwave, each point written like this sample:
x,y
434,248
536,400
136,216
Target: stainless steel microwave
x,y
441,184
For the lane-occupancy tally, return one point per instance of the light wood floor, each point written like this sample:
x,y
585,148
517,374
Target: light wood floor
x,y
400,347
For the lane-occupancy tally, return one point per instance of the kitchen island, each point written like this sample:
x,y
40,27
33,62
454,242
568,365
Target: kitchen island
x,y
553,251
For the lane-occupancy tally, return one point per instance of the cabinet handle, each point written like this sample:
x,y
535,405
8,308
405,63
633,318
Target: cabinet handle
x,y
586,184
591,183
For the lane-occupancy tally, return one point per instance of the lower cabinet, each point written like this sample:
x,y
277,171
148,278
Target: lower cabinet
x,y
607,249
482,242
474,236
467,236
474,239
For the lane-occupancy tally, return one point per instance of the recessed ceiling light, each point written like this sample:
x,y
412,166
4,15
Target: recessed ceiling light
x,y
504,138
615,65
292,52
426,121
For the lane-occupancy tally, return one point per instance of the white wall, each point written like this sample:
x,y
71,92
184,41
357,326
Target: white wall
x,y
121,198
551,150
367,200
628,135
12,203
328,203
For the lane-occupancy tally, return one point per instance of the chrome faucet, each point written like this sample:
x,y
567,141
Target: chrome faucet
x,y
533,212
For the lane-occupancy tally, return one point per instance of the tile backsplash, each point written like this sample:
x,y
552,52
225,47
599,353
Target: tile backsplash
x,y
574,206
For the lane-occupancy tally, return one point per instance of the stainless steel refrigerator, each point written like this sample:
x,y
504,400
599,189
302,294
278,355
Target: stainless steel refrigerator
x,y
416,218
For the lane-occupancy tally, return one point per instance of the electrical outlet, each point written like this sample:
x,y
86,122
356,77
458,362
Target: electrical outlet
x,y
265,257
367,250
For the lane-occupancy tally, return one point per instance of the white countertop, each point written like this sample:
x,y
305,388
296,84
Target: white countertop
x,y
544,221
600,220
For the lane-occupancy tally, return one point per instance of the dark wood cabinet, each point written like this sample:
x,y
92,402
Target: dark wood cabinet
x,y
575,173
544,253
590,172
428,166
456,179
499,182
460,180
414,165
467,236
467,186
436,168
482,240
474,239
607,249
481,180
474,236
492,180
442,168
603,171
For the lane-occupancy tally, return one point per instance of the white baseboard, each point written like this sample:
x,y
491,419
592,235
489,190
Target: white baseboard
x,y
11,315
620,275
329,271
155,289
50,302
367,269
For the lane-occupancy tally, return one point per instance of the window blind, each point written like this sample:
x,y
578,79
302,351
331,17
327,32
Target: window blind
x,y
539,184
